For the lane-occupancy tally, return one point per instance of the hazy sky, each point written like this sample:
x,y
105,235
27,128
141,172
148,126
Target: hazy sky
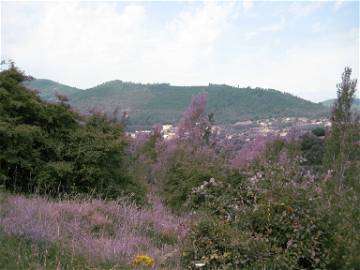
x,y
297,47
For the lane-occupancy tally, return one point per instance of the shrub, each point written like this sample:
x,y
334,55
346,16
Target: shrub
x,y
187,168
312,149
319,132
275,219
49,149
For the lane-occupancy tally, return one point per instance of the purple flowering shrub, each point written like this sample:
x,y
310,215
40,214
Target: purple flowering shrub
x,y
252,151
190,157
192,121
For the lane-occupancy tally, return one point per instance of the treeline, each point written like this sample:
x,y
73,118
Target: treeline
x,y
47,148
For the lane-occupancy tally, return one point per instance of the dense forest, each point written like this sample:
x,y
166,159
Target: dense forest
x,y
149,104
78,193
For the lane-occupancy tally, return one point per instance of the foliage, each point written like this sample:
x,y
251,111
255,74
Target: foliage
x,y
342,147
268,221
187,169
144,152
19,253
190,158
48,149
312,149
318,132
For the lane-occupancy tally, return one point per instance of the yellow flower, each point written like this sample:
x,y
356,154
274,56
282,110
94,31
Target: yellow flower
x,y
143,260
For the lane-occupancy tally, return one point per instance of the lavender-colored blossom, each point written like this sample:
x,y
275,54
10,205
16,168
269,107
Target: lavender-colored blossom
x,y
252,150
192,116
293,134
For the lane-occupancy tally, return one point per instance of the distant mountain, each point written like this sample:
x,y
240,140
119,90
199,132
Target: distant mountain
x,y
330,102
48,89
148,104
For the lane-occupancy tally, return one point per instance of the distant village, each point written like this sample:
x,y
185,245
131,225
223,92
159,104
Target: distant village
x,y
250,129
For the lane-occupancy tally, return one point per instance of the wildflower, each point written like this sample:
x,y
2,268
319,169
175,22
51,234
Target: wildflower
x,y
143,260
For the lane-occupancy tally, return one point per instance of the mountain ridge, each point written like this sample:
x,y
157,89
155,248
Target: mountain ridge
x,y
48,88
148,104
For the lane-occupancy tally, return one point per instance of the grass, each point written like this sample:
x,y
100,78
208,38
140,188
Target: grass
x,y
20,253
36,233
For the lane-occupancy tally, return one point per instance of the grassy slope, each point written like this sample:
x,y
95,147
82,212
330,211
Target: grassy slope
x,y
148,104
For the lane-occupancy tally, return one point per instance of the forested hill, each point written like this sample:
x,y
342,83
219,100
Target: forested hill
x,y
330,102
48,89
148,104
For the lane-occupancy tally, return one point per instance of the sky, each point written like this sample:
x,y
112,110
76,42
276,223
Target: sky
x,y
296,47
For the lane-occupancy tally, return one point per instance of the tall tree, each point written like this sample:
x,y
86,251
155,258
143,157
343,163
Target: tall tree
x,y
341,144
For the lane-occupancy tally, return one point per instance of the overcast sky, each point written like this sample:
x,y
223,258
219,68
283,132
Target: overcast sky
x,y
297,47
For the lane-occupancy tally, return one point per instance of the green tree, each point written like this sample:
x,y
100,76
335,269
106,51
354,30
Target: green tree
x,y
49,149
342,150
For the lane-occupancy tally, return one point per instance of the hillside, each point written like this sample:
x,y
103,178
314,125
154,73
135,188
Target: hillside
x,y
48,89
330,102
148,104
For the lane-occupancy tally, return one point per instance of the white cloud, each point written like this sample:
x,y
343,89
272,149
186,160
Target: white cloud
x,y
84,44
339,4
302,8
310,71
248,4
187,42
270,28
73,40
318,27
91,43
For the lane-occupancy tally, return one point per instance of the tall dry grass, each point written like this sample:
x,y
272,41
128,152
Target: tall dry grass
x,y
104,231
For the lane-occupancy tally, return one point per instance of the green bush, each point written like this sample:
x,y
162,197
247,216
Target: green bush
x,y
185,170
50,149
264,222
319,132
312,150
